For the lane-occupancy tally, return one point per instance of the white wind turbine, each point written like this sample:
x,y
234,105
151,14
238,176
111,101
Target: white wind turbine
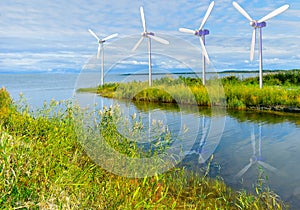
x,y
202,33
101,48
149,35
259,24
256,158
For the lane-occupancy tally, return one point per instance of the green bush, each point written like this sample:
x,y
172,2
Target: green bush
x,y
5,105
231,80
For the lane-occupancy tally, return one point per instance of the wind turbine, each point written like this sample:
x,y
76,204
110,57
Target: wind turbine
x,y
202,33
149,35
101,48
259,24
256,159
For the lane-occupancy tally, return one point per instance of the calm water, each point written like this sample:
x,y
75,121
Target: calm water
x,y
248,142
37,88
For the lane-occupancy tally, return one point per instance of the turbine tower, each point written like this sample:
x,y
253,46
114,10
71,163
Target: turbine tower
x,y
259,24
201,33
101,48
149,35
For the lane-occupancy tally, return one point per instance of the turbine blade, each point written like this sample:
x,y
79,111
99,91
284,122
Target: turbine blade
x,y
138,44
110,37
242,11
211,6
244,170
94,34
143,18
274,13
158,39
253,44
204,52
99,51
186,30
268,166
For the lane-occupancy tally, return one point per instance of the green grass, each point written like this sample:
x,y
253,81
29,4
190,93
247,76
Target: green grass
x,y
281,90
246,96
88,90
43,165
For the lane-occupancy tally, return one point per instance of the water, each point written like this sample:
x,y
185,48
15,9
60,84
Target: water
x,y
249,141
271,139
38,88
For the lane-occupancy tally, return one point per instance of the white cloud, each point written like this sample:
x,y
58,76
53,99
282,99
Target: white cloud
x,y
53,34
133,62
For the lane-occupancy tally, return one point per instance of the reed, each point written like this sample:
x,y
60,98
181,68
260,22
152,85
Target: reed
x,y
43,165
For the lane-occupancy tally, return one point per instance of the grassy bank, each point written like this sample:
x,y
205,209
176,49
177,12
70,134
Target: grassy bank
x,y
43,165
281,91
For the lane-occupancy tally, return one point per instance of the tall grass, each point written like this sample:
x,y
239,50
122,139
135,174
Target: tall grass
x,y
281,90
246,96
165,90
43,165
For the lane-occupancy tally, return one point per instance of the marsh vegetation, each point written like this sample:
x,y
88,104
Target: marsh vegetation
x,y
43,165
280,91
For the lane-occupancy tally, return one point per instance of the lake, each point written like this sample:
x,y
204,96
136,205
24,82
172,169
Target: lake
x,y
250,142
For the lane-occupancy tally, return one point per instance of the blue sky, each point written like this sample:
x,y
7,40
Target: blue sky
x,y
52,35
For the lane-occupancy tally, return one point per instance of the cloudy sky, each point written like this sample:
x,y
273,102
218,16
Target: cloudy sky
x,y
52,35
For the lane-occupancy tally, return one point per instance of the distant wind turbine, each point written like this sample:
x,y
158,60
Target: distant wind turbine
x,y
201,33
259,24
149,35
101,48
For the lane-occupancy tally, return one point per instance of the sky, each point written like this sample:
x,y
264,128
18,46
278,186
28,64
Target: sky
x,y
52,35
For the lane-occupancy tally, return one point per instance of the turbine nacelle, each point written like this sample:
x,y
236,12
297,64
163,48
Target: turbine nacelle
x,y
257,24
202,32
146,34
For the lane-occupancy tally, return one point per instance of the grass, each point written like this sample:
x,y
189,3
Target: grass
x,y
43,165
280,91
250,96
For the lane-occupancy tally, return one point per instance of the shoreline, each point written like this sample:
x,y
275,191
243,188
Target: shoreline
x,y
274,108
284,109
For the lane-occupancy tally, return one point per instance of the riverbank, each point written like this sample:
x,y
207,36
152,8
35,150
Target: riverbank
x,y
43,165
281,92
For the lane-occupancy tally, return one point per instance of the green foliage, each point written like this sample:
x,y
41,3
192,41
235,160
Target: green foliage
x,y
107,89
5,100
126,141
43,165
286,78
245,96
5,104
231,80
165,90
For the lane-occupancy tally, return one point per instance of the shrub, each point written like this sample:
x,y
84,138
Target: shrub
x,y
5,105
